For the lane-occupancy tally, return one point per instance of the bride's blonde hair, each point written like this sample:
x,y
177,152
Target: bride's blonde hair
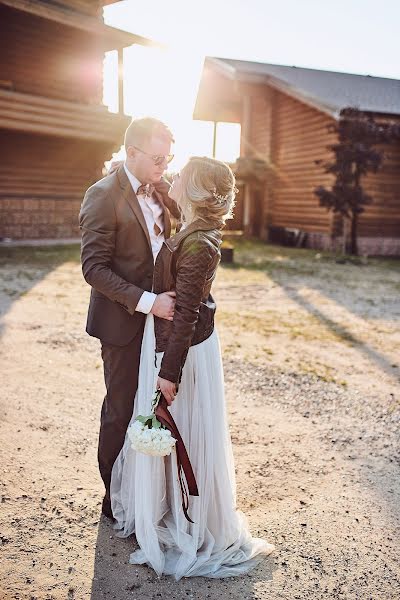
x,y
208,189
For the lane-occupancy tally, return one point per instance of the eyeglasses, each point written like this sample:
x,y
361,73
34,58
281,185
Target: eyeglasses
x,y
158,159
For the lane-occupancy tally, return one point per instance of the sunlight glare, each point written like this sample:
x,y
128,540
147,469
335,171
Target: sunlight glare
x,y
163,84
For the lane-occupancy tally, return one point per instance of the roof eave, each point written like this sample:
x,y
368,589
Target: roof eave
x,y
328,109
122,39
237,75
333,111
113,38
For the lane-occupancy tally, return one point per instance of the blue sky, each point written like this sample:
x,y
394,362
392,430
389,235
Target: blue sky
x,y
355,36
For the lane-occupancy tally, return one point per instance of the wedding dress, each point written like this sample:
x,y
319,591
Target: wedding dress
x,y
145,491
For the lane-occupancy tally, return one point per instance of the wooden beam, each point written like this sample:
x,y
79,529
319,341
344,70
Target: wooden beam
x,y
247,209
245,132
214,150
45,116
256,90
121,81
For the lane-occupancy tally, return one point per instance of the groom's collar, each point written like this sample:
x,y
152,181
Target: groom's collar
x,y
134,181
123,178
130,196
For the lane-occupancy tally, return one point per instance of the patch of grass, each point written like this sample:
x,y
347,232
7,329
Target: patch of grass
x,y
319,370
295,324
256,246
386,263
251,253
39,255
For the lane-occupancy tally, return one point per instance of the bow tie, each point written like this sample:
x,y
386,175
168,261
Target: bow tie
x,y
146,190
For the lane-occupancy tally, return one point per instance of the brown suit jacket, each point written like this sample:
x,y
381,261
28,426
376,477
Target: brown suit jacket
x,y
116,255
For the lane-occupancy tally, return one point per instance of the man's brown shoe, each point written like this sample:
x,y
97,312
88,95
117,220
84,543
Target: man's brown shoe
x,y
106,508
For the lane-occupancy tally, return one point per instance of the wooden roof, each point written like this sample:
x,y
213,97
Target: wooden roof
x,y
110,37
327,91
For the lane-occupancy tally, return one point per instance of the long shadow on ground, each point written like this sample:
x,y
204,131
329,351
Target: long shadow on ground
x,y
22,268
115,579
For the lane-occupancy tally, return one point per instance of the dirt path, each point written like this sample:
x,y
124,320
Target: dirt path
x,y
311,354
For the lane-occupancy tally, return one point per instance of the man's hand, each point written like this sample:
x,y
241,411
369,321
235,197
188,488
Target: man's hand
x,y
168,389
164,306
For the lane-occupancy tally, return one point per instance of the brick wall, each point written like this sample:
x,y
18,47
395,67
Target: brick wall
x,y
33,218
42,184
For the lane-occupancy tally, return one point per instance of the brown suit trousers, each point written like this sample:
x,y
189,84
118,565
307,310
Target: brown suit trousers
x,y
121,369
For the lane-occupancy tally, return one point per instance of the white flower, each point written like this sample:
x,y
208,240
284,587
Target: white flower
x,y
156,441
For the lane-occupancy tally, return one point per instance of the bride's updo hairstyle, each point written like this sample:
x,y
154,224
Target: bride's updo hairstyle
x,y
208,190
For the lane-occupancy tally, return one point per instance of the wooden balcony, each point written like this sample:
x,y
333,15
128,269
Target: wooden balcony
x,y
51,117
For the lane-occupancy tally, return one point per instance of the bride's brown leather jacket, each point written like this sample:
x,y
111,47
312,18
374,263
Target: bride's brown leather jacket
x,y
186,263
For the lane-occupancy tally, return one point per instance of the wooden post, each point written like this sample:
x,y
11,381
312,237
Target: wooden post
x,y
214,150
245,132
245,150
247,227
269,184
121,81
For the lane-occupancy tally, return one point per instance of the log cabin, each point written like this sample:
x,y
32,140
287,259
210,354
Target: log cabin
x,y
55,132
284,113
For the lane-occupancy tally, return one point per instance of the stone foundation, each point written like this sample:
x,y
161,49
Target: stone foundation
x,y
35,218
367,246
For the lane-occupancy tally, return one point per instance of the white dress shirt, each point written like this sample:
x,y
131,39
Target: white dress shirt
x,y
153,214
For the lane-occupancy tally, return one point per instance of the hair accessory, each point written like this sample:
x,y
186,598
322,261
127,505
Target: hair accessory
x,y
221,199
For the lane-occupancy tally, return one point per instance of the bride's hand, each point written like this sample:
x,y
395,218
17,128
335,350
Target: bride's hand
x,y
113,167
168,389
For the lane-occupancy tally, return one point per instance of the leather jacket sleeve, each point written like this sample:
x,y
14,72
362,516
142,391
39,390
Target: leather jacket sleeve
x,y
98,224
194,260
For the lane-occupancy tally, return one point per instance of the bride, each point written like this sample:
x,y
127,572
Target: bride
x,y
182,358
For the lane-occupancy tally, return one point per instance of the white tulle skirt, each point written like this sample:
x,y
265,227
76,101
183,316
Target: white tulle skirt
x,y
145,491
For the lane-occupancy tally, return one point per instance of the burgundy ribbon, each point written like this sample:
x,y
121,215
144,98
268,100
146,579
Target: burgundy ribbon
x,y
164,416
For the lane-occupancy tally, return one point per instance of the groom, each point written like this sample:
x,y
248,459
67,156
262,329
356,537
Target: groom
x,y
124,219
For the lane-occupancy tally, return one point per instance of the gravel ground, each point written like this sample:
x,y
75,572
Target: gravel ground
x,y
311,351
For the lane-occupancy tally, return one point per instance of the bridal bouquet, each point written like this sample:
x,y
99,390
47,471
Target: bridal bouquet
x,y
148,435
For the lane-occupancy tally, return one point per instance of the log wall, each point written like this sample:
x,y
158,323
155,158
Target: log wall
x,y
55,134
382,217
42,183
291,136
49,59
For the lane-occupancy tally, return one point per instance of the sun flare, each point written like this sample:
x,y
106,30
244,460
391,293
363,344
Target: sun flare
x,y
163,84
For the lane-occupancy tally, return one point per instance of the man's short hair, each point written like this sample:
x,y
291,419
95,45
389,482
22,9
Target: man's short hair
x,y
142,130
